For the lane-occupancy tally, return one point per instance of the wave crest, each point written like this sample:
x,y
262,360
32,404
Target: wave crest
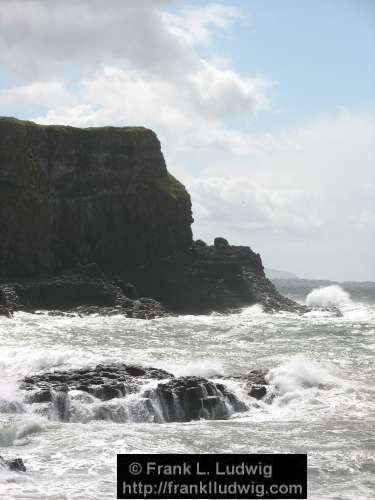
x,y
328,296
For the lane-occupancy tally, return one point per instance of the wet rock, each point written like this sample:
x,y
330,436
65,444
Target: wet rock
x,y
258,391
192,398
78,294
108,391
256,383
14,464
5,311
330,309
104,381
41,396
61,406
60,395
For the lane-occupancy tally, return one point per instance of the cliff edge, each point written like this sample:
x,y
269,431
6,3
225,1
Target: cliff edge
x,y
70,195
83,212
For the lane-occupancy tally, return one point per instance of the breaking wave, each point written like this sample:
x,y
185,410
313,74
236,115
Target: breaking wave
x,y
328,296
300,373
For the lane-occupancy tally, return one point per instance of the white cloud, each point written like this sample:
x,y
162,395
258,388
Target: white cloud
x,y
194,25
47,39
131,63
304,198
197,101
38,93
310,206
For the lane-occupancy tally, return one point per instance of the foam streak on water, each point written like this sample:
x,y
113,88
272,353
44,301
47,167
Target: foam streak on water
x,y
320,368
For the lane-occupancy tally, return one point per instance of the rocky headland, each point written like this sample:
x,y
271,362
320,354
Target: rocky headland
x,y
91,220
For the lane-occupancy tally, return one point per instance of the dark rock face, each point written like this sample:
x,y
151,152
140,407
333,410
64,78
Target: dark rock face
x,y
91,219
14,464
70,196
78,294
178,399
206,278
192,398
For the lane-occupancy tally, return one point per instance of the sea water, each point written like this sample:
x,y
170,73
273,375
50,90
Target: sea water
x,y
321,364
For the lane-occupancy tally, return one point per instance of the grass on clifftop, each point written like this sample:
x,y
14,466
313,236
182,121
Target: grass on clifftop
x,y
16,121
171,186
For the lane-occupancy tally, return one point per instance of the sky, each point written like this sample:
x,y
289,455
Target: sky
x,y
265,109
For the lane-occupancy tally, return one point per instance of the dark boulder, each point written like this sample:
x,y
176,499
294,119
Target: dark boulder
x,y
13,464
192,398
220,243
199,244
256,383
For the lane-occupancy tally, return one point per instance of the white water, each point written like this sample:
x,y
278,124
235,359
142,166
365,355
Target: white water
x,y
320,367
327,296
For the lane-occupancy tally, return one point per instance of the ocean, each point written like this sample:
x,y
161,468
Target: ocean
x,y
322,365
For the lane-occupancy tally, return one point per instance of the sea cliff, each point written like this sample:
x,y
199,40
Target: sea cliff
x,y
92,217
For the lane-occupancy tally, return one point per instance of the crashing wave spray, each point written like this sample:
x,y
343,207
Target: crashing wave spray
x,y
328,296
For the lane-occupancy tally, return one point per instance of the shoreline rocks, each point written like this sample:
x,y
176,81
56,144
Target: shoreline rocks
x,y
77,294
107,390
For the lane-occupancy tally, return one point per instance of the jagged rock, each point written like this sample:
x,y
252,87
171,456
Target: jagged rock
x,y
81,294
13,464
192,398
177,399
200,243
105,382
41,396
256,383
211,278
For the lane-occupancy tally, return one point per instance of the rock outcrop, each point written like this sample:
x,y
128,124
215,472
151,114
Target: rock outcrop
x,y
205,278
62,394
193,398
12,464
91,218
103,381
256,384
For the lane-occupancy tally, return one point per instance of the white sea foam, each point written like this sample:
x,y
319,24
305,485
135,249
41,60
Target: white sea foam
x,y
13,432
333,295
200,368
324,399
299,373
